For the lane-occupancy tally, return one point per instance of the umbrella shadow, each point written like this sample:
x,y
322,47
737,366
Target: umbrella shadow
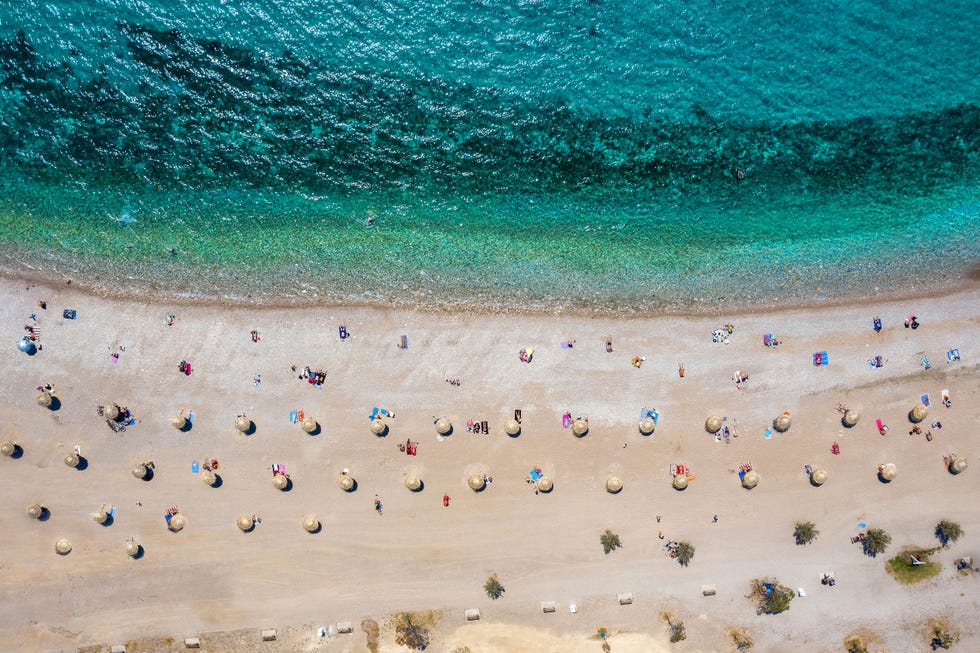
x,y
251,429
55,404
289,485
140,552
217,481
186,427
18,451
419,488
316,430
45,514
82,463
319,527
108,522
148,476
882,479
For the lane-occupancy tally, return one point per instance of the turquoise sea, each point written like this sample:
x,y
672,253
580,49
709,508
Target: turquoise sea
x,y
614,154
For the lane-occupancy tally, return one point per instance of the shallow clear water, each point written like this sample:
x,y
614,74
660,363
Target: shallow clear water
x,y
599,153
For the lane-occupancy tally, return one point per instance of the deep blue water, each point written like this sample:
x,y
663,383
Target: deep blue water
x,y
600,153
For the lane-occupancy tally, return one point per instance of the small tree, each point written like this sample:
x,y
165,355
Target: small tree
x,y
948,531
941,637
685,552
493,588
772,597
805,532
610,541
855,645
740,639
876,541
408,633
677,631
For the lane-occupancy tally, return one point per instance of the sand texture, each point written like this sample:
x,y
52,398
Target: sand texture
x,y
422,555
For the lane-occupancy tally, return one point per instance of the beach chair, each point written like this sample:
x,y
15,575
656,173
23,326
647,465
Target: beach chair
x,y
926,363
404,343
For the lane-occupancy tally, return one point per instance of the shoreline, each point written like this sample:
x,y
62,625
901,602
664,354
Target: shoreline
x,y
968,281
423,555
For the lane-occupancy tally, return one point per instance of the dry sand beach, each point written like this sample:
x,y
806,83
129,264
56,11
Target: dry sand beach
x,y
422,555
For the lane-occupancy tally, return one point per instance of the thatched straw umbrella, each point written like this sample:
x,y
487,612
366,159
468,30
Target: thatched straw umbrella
x,y
111,411
378,427
178,421
208,477
71,459
614,484
512,427
476,482
177,523
850,418
750,480
311,524
413,483
680,482
443,426
280,482
545,484
243,424
818,476
35,510
713,424
888,472
580,427
782,423
647,426
132,548
7,448
246,523
140,470
44,399
62,547
918,413
100,516
957,465
308,424
346,482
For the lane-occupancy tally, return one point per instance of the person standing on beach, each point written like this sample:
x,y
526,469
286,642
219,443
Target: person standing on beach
x,y
377,504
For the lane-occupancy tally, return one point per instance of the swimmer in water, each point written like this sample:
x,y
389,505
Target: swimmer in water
x,y
370,220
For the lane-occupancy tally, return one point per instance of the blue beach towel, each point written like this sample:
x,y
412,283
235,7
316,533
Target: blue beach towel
x,y
653,414
190,418
195,467
293,417
535,475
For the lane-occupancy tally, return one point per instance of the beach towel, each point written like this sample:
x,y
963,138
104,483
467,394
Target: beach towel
x,y
945,396
565,344
877,324
167,517
404,343
187,369
293,417
342,332
820,358
926,363
190,418
768,434
69,313
924,399
535,474
953,355
650,413
566,421
112,512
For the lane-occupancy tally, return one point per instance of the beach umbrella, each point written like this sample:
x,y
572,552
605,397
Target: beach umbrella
x,y
476,482
44,399
243,424
713,424
208,478
646,426
7,448
851,418
378,427
512,427
308,424
311,524
750,480
72,460
140,470
580,427
280,482
680,482
918,413
818,476
111,411
782,423
100,516
957,465
443,426
545,484
62,547
413,483
888,472
35,510
178,421
177,523
246,523
614,484
25,345
132,548
346,482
